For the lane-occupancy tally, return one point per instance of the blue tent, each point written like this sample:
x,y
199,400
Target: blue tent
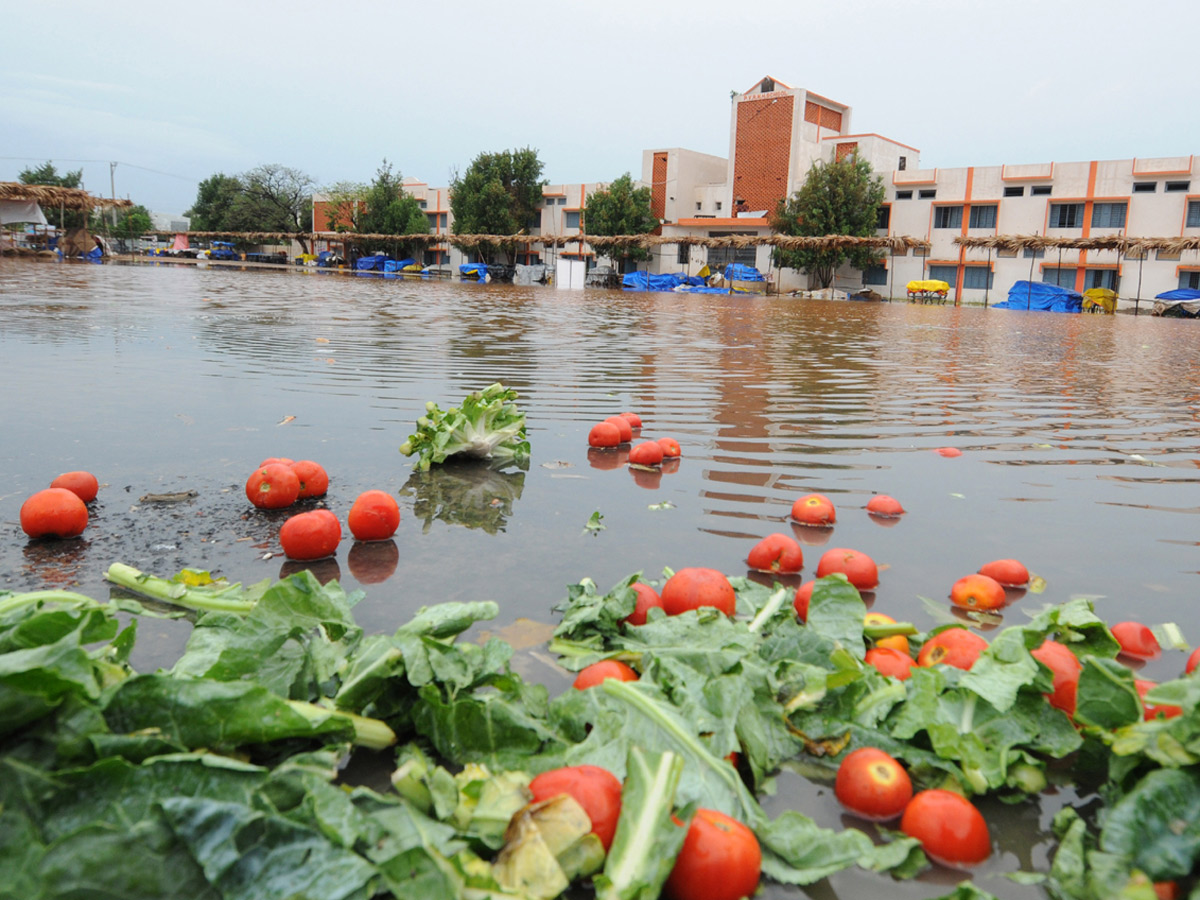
x,y
1043,296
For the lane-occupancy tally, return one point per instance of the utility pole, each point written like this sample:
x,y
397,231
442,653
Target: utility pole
x,y
112,183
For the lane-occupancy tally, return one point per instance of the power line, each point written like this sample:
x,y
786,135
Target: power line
x,y
106,162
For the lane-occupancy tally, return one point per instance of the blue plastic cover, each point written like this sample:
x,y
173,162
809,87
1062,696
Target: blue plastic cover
x,y
1039,295
1179,294
370,263
740,272
645,281
473,270
396,265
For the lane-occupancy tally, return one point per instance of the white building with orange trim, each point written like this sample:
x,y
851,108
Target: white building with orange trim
x,y
778,132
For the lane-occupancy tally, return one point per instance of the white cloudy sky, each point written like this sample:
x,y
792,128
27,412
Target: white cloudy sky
x,y
175,92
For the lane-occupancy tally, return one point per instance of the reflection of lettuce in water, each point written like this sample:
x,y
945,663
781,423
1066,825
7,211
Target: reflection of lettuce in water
x,y
469,493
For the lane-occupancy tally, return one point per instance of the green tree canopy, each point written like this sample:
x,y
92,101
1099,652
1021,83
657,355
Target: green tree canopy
x,y
131,222
837,198
621,209
500,193
267,198
48,174
389,208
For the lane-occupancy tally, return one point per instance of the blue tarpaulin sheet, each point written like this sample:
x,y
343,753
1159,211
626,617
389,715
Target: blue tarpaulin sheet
x,y
644,281
370,263
473,270
1039,295
1179,294
739,272
396,265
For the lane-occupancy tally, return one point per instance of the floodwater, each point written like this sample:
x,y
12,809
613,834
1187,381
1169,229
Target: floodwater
x,y
1080,440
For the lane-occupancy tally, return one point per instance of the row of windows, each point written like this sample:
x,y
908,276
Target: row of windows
x,y
1044,190
1062,215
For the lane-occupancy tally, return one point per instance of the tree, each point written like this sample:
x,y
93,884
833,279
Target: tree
x,y
47,174
500,193
282,199
342,202
215,200
841,197
132,222
621,209
387,208
268,198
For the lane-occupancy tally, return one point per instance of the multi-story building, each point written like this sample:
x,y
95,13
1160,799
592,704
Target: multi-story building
x,y
778,132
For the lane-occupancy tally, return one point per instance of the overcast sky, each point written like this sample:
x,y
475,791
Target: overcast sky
x,y
175,92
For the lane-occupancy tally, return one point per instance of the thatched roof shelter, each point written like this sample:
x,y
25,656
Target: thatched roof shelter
x,y
52,195
1112,242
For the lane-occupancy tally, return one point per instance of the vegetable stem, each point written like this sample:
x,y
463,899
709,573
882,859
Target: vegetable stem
x,y
228,599
768,610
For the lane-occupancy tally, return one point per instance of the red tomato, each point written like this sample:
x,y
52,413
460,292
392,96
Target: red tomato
x,y
273,486
604,434
951,830
890,661
314,480
953,647
776,553
1152,710
635,421
282,460
670,446
803,598
1136,640
53,512
311,535
720,860
859,568
82,484
696,587
1006,571
647,453
977,592
596,790
623,426
590,676
896,641
814,509
373,562
1192,662
871,784
1166,890
647,598
375,516
883,505
949,452
1066,668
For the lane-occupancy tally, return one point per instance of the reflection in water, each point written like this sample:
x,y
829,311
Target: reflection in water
x,y
372,562
324,570
470,493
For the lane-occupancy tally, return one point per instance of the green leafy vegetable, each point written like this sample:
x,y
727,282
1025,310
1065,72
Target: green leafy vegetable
x,y
487,425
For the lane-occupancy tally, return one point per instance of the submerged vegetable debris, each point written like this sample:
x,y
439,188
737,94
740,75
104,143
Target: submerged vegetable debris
x,y
219,777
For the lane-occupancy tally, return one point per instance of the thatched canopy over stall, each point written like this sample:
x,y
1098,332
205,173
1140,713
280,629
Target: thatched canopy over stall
x,y
62,197
1112,242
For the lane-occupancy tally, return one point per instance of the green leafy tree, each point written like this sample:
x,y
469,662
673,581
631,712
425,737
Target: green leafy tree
x,y
837,198
280,198
621,209
131,222
387,208
215,200
500,193
48,174
342,202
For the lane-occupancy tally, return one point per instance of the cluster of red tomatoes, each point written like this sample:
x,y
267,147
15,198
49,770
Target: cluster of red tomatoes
x,y
279,482
720,858
61,509
610,446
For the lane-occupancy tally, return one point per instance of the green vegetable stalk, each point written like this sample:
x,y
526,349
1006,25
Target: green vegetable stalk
x,y
487,425
209,595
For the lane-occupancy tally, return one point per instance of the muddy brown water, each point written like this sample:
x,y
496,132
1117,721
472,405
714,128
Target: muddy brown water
x,y
1080,438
